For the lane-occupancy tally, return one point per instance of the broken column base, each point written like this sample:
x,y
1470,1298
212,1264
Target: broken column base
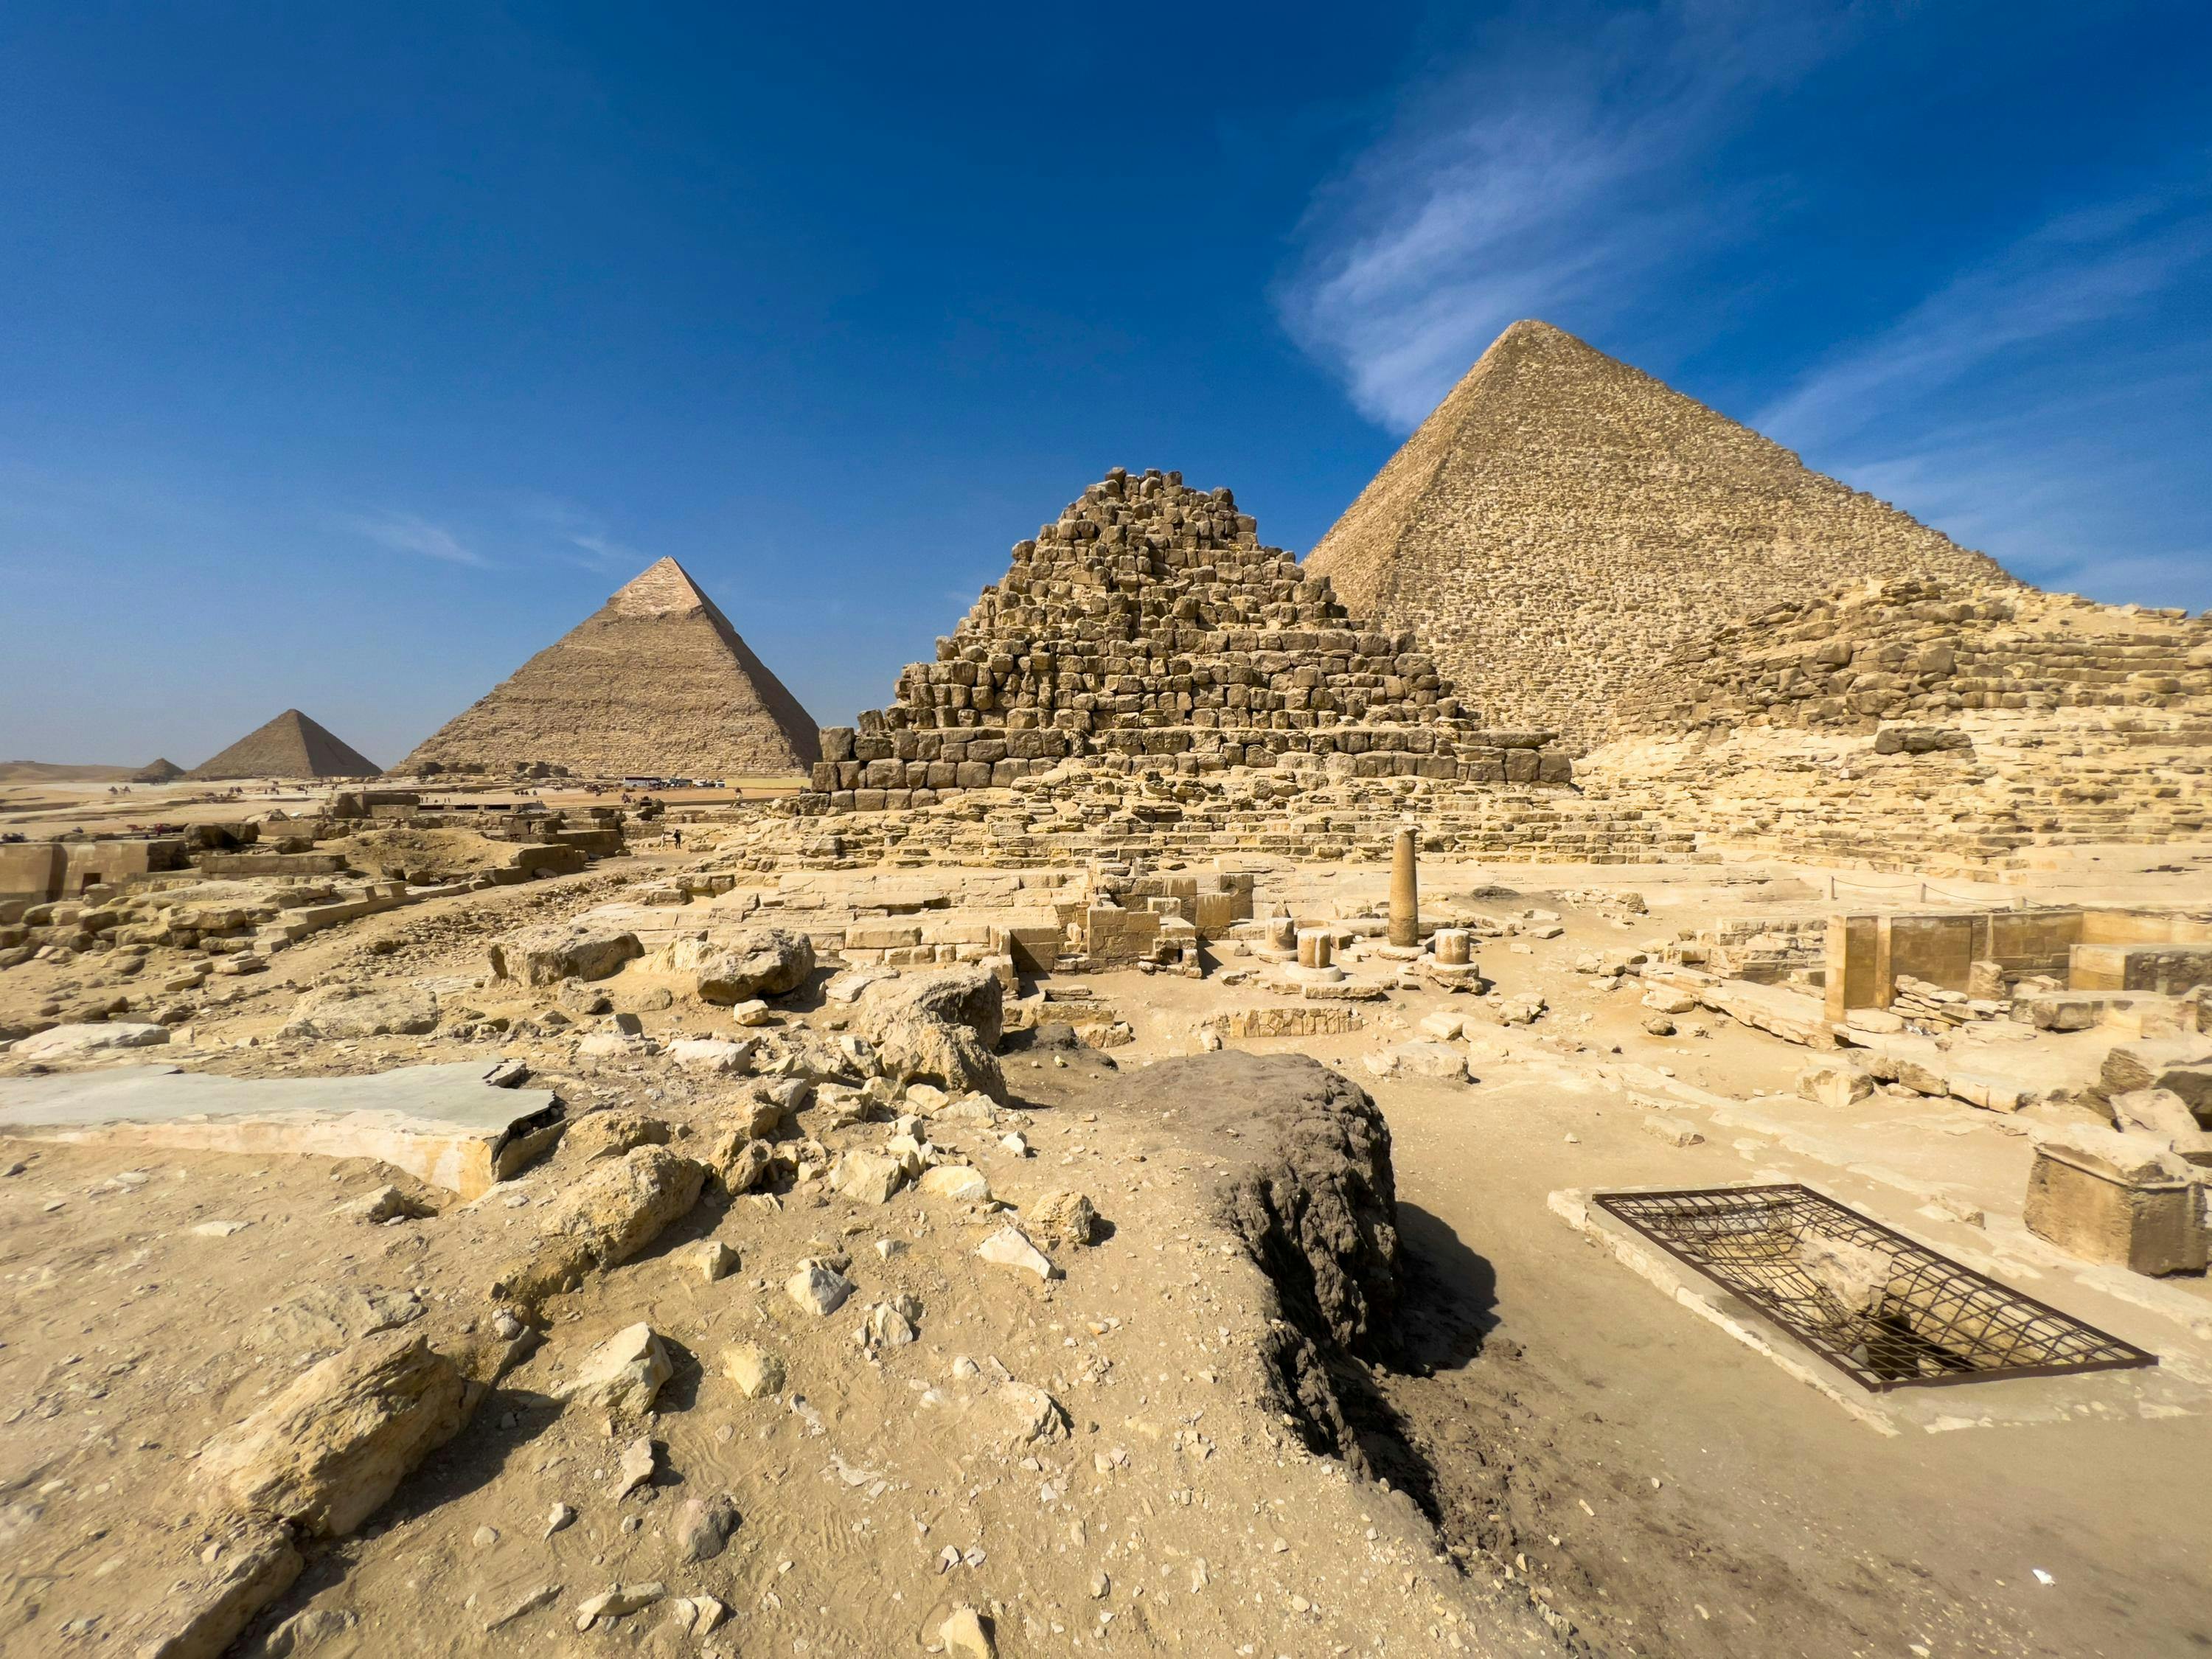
x,y
1451,976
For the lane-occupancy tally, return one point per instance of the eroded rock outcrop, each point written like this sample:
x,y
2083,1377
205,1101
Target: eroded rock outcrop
x,y
1306,1184
326,1452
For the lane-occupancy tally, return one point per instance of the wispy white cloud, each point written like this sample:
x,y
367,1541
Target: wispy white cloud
x,y
2078,271
405,532
583,535
1552,177
2036,405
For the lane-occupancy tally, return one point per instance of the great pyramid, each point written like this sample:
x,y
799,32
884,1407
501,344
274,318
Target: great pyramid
x,y
654,683
1561,522
290,746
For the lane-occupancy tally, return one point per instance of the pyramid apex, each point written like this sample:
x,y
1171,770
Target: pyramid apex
x,y
662,587
1534,331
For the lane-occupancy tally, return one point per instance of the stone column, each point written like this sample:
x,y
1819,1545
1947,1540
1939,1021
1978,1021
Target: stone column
x,y
1451,946
1405,894
1317,948
1282,934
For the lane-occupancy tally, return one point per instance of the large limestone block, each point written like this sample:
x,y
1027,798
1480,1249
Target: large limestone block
x,y
761,962
354,1011
939,1028
582,948
1834,1082
2118,1199
713,1055
868,1177
608,1216
328,1450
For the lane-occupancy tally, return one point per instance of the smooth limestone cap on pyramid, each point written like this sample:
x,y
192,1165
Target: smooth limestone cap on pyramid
x,y
1563,522
290,746
655,683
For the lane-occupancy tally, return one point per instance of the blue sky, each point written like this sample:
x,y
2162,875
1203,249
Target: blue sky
x,y
349,354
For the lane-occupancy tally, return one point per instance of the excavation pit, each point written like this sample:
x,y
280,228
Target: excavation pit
x,y
1887,1312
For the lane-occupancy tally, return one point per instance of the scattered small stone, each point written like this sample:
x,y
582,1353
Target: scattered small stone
x,y
818,1288
383,1204
616,1603
1068,1216
1010,1246
704,1526
530,1602
960,1183
697,1615
755,1370
636,1468
623,1374
712,1258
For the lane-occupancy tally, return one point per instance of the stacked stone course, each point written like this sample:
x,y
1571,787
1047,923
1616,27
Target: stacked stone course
x,y
1148,628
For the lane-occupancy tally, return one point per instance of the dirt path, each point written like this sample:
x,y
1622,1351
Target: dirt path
x,y
1777,1524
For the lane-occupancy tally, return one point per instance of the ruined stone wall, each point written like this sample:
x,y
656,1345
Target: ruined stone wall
x,y
1149,621
1921,650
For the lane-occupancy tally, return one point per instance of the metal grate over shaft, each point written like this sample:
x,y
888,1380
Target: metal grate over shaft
x,y
1887,1312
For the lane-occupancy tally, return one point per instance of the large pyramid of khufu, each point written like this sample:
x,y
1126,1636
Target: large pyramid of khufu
x,y
1562,523
1147,623
655,683
290,746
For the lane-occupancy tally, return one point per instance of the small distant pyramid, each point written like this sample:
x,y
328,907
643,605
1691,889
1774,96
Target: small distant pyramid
x,y
1562,522
161,771
290,746
656,682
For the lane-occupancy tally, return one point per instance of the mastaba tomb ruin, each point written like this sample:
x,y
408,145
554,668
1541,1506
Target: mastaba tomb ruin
x,y
656,684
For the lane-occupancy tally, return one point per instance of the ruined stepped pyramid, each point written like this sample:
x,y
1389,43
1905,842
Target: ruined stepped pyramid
x,y
1148,622
290,746
1562,523
656,682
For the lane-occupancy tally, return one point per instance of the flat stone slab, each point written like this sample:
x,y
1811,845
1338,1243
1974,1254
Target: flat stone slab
x,y
444,1124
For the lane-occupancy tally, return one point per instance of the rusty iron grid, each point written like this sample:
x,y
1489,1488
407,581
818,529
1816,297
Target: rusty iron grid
x,y
1917,1321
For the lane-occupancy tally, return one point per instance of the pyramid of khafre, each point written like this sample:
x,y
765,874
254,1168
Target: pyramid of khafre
x,y
655,683
290,746
1563,522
